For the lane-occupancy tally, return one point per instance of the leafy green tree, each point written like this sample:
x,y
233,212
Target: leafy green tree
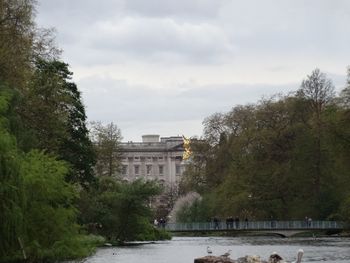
x,y
319,92
38,219
50,215
54,112
338,142
11,186
76,147
194,177
198,211
106,139
283,157
120,211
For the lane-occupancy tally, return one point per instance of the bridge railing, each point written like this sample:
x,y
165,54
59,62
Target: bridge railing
x,y
254,225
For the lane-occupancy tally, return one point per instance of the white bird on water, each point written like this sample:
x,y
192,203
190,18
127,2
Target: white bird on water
x,y
299,256
227,254
209,251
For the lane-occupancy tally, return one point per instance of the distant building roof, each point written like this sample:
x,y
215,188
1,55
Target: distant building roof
x,y
151,143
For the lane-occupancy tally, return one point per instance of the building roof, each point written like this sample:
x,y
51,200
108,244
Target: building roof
x,y
166,144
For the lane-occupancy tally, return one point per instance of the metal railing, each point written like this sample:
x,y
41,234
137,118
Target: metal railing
x,y
254,225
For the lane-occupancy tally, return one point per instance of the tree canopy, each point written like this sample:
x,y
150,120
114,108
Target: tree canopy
x,y
106,140
285,157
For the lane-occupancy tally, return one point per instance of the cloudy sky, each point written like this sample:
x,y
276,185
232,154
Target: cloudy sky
x,y
162,66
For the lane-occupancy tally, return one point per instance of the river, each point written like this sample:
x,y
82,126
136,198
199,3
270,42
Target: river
x,y
185,249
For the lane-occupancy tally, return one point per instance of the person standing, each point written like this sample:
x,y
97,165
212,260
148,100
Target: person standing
x,y
231,222
246,222
155,222
216,223
309,222
162,222
237,222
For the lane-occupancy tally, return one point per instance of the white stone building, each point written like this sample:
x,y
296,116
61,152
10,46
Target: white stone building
x,y
153,159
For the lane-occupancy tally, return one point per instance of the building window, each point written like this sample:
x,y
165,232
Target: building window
x,y
161,170
137,169
124,169
160,158
178,169
136,158
149,169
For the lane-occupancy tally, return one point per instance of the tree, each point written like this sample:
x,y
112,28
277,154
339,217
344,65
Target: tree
x,y
345,93
214,126
54,112
194,177
338,123
76,147
164,203
22,42
16,40
120,211
50,215
263,163
38,218
318,91
11,186
106,139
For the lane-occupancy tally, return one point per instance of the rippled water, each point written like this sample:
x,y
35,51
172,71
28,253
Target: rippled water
x,y
186,249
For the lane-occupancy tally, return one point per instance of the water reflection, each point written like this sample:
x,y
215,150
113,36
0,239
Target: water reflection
x,y
185,249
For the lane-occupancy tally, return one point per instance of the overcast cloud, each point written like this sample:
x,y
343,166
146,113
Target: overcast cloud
x,y
161,66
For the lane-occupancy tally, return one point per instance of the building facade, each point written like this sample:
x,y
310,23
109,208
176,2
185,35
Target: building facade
x,y
154,158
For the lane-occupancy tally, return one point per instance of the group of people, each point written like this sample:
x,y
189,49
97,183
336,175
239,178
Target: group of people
x,y
159,223
308,221
231,223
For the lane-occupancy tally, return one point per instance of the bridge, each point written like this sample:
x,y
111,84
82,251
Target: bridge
x,y
281,228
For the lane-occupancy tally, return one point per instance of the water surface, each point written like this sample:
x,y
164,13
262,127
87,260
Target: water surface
x,y
186,249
